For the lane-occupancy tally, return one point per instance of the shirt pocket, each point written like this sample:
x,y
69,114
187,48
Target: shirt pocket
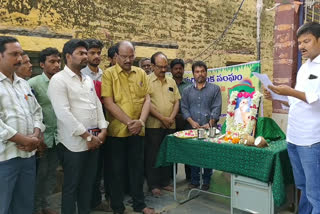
x,y
170,95
140,93
312,86
119,93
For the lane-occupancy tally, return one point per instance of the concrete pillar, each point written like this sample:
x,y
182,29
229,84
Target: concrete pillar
x,y
285,53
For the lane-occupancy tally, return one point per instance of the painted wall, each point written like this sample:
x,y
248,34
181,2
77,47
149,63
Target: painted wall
x,y
190,25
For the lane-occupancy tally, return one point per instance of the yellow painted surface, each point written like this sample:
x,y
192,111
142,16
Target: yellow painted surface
x,y
192,25
142,51
33,43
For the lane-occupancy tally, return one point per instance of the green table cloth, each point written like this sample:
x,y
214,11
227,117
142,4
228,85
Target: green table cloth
x,y
270,165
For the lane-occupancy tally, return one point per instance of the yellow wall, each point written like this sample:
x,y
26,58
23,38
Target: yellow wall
x,y
192,25
36,43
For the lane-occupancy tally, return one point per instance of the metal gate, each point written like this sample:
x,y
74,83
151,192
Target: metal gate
x,y
312,11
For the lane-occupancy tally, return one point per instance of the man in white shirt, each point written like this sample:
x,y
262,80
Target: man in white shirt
x,y
93,71
303,132
81,127
24,71
20,130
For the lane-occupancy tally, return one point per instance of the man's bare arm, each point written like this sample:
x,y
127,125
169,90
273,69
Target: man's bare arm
x,y
175,110
288,91
155,113
116,111
146,108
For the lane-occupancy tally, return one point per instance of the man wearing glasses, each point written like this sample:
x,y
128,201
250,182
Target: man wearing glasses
x,y
125,91
161,122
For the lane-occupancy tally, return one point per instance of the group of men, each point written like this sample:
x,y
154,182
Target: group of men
x,y
66,115
112,122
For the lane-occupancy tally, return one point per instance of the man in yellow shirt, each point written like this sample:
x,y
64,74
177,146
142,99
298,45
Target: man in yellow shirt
x,y
161,122
125,91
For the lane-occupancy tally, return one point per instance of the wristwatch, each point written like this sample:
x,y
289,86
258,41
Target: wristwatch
x,y
89,138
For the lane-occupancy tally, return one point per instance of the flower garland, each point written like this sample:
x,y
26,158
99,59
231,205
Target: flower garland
x,y
241,128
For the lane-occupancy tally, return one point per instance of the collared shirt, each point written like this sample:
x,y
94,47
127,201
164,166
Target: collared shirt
x,y
201,105
39,85
91,74
128,90
77,108
19,113
303,119
163,96
184,84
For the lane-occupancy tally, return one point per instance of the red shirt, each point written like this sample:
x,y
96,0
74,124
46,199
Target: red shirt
x,y
97,86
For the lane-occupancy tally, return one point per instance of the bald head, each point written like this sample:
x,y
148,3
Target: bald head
x,y
125,55
159,64
125,45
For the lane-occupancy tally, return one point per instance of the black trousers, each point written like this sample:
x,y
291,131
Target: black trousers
x,y
125,156
156,177
79,175
102,173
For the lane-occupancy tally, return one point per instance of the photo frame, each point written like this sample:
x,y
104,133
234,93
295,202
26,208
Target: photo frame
x,y
242,112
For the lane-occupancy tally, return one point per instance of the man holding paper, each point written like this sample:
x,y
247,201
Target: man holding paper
x,y
303,120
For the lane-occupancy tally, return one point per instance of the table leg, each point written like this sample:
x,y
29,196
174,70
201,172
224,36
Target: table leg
x,y
190,191
174,182
201,179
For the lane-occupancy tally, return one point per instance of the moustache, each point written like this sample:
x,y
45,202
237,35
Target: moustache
x,y
56,70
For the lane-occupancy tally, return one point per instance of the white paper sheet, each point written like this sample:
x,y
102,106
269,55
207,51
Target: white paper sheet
x,y
266,82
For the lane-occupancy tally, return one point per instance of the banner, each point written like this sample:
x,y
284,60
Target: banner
x,y
236,77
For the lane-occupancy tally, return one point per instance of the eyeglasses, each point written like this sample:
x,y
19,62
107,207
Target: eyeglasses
x,y
127,57
162,67
146,66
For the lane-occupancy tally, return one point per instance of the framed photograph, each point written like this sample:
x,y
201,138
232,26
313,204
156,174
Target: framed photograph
x,y
242,112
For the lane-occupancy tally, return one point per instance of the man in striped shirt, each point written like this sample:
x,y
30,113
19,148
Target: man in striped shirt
x,y
20,130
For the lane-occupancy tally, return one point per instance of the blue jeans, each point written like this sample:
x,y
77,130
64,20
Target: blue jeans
x,y
195,175
305,161
17,185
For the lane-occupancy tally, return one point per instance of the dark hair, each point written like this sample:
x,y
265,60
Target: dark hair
x,y
4,40
199,64
94,43
48,52
142,60
153,57
71,45
311,27
112,51
176,62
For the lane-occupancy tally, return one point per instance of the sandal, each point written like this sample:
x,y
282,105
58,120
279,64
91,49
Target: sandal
x,y
148,210
168,188
156,192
